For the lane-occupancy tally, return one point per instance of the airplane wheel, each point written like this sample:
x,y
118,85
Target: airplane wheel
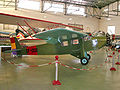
x,y
84,61
88,56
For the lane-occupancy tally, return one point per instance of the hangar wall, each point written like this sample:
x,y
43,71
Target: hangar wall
x,y
112,15
89,23
104,23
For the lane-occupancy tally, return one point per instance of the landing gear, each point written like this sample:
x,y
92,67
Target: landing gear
x,y
84,61
88,56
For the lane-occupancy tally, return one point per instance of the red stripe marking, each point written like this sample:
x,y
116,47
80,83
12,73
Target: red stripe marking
x,y
91,52
4,60
109,56
39,20
63,64
49,63
11,62
30,27
29,39
77,69
20,34
19,65
12,40
71,67
32,50
33,66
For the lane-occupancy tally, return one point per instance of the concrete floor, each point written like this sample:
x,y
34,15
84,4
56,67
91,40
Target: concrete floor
x,y
40,78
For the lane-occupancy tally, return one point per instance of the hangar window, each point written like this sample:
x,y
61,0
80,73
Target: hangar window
x,y
75,41
72,9
64,37
53,7
65,43
29,4
74,35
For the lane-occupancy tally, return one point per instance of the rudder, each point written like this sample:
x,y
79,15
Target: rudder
x,y
15,45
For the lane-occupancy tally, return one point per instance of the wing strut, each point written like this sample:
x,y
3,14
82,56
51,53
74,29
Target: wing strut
x,y
30,26
25,30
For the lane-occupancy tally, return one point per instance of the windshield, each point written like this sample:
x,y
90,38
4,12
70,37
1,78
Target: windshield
x,y
87,38
99,33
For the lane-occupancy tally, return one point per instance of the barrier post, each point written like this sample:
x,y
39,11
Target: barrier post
x,y
106,55
56,81
113,68
118,63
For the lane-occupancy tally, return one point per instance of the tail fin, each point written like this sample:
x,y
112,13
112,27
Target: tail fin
x,y
15,45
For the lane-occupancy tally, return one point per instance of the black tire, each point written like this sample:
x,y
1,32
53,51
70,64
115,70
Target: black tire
x,y
84,61
88,56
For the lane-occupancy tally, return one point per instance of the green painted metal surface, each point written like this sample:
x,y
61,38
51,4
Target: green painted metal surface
x,y
63,41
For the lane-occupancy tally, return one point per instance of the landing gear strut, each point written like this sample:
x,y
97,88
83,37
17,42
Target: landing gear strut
x,y
88,56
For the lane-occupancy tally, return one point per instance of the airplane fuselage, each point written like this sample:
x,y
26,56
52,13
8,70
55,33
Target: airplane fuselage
x,y
62,41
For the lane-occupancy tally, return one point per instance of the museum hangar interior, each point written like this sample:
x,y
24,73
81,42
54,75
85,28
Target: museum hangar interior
x,y
59,45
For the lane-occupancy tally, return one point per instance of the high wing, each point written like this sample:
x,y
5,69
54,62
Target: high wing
x,y
34,22
6,18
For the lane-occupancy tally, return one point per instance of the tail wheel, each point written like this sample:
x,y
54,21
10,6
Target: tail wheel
x,y
84,61
88,56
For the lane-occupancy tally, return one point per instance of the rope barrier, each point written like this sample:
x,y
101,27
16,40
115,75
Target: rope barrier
x,y
28,65
88,69
67,66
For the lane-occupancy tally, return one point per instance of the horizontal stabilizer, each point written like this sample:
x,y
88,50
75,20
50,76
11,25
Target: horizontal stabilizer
x,y
6,33
9,51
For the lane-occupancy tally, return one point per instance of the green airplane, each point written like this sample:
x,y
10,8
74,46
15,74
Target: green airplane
x,y
59,42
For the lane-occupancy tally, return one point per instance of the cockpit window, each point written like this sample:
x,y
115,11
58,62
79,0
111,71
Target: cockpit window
x,y
65,43
100,33
64,37
74,35
87,38
75,41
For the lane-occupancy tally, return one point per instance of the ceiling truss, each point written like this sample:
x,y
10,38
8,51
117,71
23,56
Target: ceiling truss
x,y
93,8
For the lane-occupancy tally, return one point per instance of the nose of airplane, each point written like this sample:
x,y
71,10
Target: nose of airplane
x,y
108,40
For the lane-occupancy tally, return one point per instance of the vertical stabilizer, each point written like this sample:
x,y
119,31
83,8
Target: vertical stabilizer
x,y
15,45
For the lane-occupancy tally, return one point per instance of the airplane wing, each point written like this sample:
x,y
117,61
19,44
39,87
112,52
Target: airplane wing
x,y
6,18
34,22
